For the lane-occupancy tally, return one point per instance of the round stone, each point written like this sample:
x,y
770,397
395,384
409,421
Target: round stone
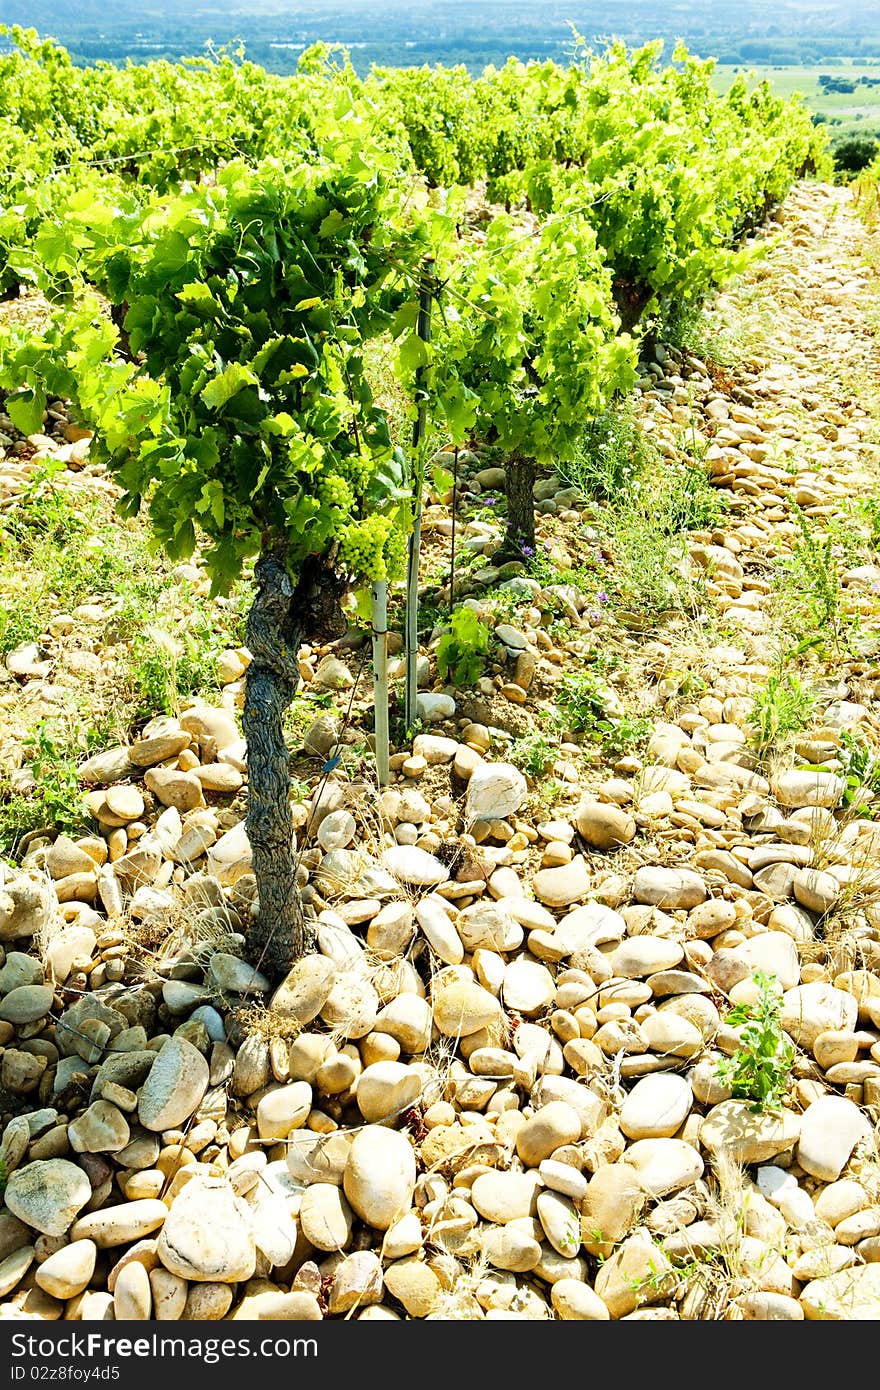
x,y
102,1128
14,1268
560,1221
439,932
461,1007
669,888
120,1225
380,1176
352,1005
733,1127
495,791
567,884
337,830
284,1109
505,1247
303,993
414,1284
604,825
528,987
386,1089
232,975
325,1217
640,956
612,1205
414,866
575,1301
835,1046
26,1004
851,1295
124,802
66,1273
175,1086
357,1283
408,1020
816,890
830,1129
797,788
207,1235
505,1196
48,1194
548,1129
670,1035
814,1008
133,1296
656,1107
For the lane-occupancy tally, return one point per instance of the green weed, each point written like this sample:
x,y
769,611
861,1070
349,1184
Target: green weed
x,y
759,1070
612,453
861,770
534,753
56,798
783,707
809,587
461,652
589,707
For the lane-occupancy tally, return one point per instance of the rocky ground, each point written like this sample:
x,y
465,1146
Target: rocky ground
x,y
494,1090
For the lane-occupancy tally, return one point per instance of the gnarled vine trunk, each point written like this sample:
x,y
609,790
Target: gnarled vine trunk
x,y
519,542
283,613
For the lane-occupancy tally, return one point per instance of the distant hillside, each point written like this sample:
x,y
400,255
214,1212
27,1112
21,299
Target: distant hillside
x,y
474,32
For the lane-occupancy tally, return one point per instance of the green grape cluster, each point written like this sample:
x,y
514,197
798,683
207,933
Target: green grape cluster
x,y
373,549
334,491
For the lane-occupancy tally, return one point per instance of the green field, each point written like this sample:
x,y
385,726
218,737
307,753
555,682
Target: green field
x,y
847,114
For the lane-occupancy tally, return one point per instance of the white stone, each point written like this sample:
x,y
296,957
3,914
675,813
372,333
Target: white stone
x,y
439,931
495,791
830,1129
175,1086
415,866
656,1107
47,1194
380,1176
207,1236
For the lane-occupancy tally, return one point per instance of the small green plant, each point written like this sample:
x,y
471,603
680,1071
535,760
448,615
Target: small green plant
x,y
869,507
759,1069
783,707
810,586
461,651
649,574
690,502
547,794
861,770
54,800
56,783
165,667
18,625
612,452
591,708
534,753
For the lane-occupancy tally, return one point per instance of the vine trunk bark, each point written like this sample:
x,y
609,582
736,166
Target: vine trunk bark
x,y
519,542
283,612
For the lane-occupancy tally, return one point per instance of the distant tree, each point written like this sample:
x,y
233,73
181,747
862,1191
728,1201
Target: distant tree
x,y
853,155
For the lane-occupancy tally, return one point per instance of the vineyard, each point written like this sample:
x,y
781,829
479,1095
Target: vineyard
x,y
438,731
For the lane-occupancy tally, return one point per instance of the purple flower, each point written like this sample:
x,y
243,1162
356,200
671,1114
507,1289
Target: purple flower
x,y
527,550
490,500
601,597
